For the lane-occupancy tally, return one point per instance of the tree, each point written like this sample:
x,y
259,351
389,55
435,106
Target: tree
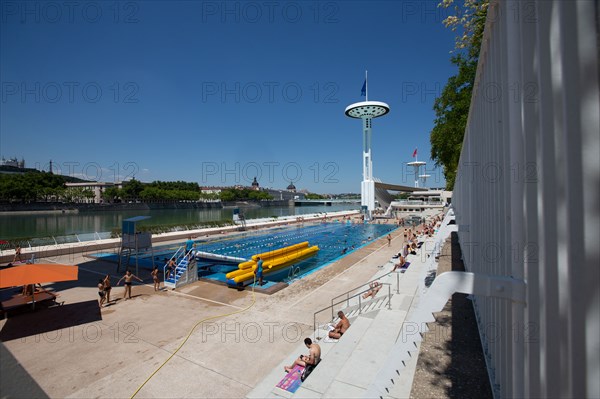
x,y
30,186
452,107
132,189
110,194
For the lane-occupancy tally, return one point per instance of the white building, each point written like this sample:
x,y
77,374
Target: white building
x,y
96,187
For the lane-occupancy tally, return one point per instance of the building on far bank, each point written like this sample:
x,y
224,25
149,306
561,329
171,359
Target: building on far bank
x,y
14,162
96,187
278,195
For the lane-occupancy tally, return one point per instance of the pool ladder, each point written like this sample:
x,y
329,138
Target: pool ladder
x,y
293,273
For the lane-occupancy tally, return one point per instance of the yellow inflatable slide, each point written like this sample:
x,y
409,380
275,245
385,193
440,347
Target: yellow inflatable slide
x,y
272,261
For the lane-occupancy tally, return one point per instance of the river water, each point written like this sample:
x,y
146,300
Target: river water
x,y
35,225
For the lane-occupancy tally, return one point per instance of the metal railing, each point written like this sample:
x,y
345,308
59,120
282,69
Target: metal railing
x,y
179,254
359,295
347,293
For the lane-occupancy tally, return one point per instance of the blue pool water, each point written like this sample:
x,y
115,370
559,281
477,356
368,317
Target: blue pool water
x,y
334,240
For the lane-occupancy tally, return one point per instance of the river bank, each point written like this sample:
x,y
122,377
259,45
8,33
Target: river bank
x,y
82,247
59,207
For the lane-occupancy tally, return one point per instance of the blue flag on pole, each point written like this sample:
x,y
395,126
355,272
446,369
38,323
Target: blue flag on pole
x,y
363,91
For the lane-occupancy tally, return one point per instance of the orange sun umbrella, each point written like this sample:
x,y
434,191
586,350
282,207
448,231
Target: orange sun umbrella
x,y
37,273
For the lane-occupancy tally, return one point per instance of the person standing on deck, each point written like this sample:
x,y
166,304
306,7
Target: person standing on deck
x,y
155,279
107,287
128,277
18,254
101,292
259,271
189,245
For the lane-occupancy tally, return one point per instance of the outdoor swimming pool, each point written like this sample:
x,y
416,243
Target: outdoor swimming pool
x,y
334,240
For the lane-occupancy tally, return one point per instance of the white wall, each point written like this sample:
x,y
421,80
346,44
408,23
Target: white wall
x,y
527,195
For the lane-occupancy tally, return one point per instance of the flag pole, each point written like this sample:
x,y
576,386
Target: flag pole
x,y
366,87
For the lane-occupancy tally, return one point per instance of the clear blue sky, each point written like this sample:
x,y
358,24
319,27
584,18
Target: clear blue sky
x,y
218,92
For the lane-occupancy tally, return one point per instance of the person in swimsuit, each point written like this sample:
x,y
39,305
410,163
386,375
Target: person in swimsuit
x,y
340,327
107,287
171,268
101,292
259,271
313,358
189,246
155,278
17,254
128,277
375,286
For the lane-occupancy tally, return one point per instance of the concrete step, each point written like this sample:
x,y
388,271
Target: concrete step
x,y
267,387
368,356
320,379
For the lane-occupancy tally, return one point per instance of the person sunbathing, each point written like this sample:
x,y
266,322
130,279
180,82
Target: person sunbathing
x,y
340,327
314,356
400,264
375,287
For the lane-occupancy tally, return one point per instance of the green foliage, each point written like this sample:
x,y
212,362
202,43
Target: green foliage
x,y
111,194
402,196
174,185
76,194
31,186
452,110
167,228
132,189
245,194
452,107
313,196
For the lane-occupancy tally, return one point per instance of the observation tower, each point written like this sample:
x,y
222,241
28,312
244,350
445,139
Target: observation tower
x,y
367,110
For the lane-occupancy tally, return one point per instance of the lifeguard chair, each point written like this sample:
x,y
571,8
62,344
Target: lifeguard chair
x,y
134,242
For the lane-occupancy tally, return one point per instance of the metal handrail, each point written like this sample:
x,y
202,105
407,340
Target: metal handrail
x,y
174,256
369,282
359,304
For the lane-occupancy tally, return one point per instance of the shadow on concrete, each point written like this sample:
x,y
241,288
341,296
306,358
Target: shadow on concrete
x,y
451,363
27,322
15,381
467,370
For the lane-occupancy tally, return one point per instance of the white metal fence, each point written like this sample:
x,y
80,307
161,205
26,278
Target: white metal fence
x,y
527,195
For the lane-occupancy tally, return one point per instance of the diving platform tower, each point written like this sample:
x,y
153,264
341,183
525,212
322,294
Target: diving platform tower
x,y
416,165
367,110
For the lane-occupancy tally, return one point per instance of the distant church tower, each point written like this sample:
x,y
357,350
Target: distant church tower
x,y
291,187
255,184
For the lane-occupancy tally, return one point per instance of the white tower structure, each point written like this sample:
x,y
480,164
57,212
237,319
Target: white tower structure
x,y
424,179
367,110
417,165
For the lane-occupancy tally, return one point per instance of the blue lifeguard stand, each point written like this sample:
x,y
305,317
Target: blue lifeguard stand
x,y
239,218
134,242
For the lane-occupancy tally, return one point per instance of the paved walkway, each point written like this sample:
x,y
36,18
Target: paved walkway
x,y
79,350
